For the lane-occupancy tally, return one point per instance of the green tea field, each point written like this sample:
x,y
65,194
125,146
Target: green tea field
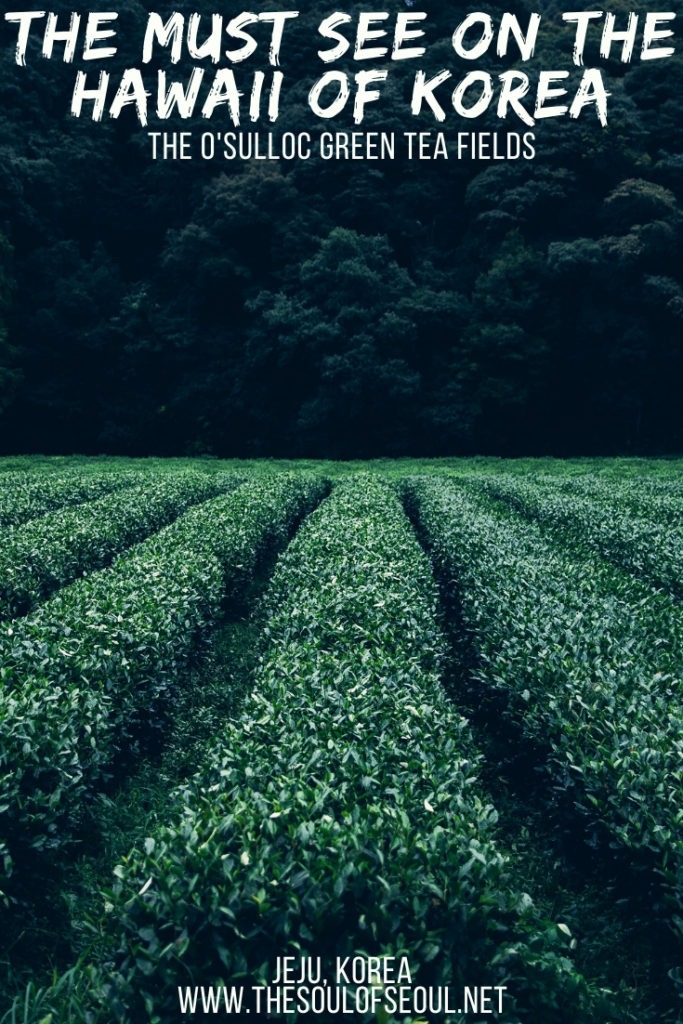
x,y
397,741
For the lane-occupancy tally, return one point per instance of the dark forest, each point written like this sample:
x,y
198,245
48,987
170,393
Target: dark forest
x,y
342,308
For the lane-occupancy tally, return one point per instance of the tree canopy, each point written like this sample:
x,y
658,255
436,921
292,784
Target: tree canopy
x,y
343,307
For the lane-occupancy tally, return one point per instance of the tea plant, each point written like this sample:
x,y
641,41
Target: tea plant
x,y
341,812
25,496
49,552
649,545
589,658
79,673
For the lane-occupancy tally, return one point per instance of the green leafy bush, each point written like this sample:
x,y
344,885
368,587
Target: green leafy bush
x,y
589,657
27,495
627,524
81,671
53,550
341,812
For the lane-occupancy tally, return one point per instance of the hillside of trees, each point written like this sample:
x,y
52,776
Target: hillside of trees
x,y
342,308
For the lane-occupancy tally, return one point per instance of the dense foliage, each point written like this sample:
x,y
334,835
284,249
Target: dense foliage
x,y
25,495
344,307
588,657
55,549
340,814
101,657
331,797
641,533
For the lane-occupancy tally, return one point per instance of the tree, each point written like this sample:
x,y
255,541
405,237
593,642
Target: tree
x,y
10,374
348,345
501,360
